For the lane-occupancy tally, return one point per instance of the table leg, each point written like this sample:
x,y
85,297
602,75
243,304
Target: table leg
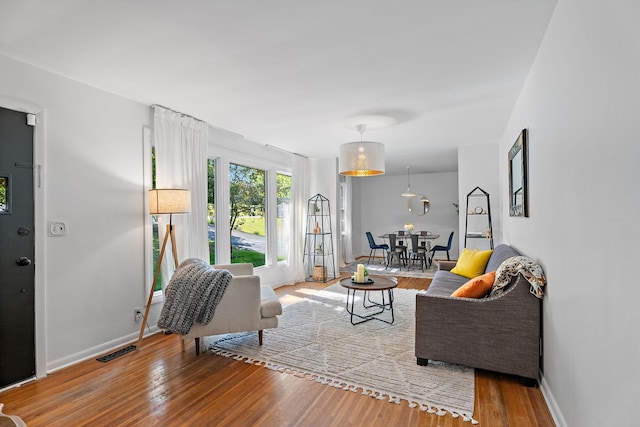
x,y
384,306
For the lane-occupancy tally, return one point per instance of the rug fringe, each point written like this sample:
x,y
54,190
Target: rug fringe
x,y
376,394
353,387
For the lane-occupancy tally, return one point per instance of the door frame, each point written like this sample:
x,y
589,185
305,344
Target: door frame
x,y
26,106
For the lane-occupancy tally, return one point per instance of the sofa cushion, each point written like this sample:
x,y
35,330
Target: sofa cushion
x,y
444,283
472,263
477,287
269,303
499,255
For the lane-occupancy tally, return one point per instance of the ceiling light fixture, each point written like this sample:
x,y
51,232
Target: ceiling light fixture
x,y
408,193
361,158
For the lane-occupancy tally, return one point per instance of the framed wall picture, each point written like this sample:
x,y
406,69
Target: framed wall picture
x,y
518,189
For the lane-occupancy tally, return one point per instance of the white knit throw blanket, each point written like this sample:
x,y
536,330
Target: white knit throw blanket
x,y
192,295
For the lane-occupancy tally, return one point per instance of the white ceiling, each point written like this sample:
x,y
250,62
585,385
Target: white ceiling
x,y
294,73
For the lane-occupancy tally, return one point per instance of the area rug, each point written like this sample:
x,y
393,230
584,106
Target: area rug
x,y
315,339
381,270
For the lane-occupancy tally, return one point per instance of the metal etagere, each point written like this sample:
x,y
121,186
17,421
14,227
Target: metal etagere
x,y
478,226
318,241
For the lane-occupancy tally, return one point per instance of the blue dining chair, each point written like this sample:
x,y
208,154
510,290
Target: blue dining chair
x,y
443,248
374,246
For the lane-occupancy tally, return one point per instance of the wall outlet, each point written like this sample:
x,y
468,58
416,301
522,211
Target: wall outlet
x,y
57,229
138,314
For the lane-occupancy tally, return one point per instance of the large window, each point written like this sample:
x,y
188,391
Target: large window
x,y
154,219
283,199
247,211
211,209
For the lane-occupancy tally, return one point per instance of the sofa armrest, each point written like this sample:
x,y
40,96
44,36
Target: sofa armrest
x,y
237,311
446,265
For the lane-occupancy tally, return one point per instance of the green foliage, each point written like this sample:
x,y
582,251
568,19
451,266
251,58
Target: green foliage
x,y
3,191
238,256
246,193
156,255
283,188
253,226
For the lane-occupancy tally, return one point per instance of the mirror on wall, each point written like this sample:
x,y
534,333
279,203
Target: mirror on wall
x,y
518,205
418,205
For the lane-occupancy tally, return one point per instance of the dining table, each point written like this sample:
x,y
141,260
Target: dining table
x,y
425,239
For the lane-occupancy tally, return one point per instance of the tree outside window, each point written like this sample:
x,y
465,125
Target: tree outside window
x,y
247,207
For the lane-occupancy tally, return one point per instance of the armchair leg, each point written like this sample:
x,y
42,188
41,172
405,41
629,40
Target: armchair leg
x,y
422,362
260,336
197,346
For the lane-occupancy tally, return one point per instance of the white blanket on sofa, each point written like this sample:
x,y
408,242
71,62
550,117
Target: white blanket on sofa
x,y
510,268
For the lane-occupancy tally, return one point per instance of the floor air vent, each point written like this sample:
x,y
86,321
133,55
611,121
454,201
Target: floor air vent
x,y
116,353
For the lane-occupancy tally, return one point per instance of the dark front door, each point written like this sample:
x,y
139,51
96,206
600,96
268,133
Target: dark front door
x,y
17,249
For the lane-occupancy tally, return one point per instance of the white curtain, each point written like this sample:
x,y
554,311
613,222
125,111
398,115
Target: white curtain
x,y
347,247
181,162
299,190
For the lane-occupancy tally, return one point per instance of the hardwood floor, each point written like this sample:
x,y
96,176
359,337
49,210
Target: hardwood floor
x,y
160,385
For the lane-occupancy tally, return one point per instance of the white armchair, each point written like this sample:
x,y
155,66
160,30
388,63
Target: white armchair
x,y
245,306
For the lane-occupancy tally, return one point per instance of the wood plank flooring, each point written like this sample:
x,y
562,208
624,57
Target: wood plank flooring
x,y
160,385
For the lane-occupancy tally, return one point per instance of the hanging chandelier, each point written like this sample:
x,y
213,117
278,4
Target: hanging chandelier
x,y
361,158
408,193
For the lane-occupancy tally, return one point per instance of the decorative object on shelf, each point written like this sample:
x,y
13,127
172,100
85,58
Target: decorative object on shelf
x,y
408,193
318,254
319,273
361,158
164,201
518,181
408,227
478,220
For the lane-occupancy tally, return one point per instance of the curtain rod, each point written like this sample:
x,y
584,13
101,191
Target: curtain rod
x,y
178,112
195,118
286,151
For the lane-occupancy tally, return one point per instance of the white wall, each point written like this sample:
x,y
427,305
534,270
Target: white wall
x,y
92,163
382,209
480,166
581,104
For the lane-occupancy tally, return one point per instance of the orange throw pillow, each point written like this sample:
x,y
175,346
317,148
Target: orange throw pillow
x,y
477,287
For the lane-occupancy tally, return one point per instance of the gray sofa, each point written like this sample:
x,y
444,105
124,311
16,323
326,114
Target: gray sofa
x,y
500,333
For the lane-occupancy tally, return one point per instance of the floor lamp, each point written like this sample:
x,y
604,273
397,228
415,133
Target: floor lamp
x,y
165,201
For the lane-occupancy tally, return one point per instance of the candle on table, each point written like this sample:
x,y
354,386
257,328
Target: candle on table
x,y
360,277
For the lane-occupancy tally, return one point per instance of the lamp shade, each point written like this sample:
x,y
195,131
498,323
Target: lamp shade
x,y
169,201
362,158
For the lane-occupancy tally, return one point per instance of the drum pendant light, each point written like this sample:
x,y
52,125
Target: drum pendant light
x,y
361,158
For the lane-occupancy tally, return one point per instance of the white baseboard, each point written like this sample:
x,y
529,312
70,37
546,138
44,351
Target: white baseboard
x,y
56,365
551,403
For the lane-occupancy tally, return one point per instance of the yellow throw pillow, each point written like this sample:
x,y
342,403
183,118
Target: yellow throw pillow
x,y
477,287
472,263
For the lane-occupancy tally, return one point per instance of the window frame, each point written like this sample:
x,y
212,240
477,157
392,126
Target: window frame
x,y
223,159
